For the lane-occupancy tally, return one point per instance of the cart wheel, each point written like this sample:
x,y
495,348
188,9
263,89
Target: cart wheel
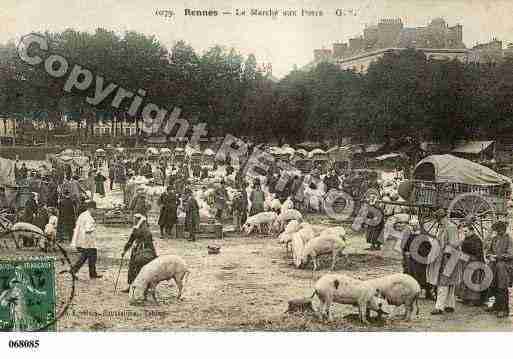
x,y
428,223
475,208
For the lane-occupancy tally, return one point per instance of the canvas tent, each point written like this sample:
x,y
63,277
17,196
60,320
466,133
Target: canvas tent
x,y
449,168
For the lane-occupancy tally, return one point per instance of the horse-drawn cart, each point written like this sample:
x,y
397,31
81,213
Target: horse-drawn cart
x,y
467,190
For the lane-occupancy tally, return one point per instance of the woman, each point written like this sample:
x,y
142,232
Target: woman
x,y
257,199
99,180
416,262
472,246
168,211
375,223
143,249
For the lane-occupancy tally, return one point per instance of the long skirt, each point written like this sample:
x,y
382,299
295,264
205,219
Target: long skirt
x,y
466,293
135,266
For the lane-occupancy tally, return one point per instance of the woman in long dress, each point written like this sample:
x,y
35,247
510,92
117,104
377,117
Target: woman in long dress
x,y
473,247
143,249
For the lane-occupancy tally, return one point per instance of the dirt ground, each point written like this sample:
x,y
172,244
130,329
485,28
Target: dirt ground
x,y
245,287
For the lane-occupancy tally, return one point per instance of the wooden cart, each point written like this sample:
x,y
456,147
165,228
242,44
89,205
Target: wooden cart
x,y
467,190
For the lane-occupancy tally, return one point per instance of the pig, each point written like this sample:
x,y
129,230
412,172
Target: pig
x,y
326,244
286,236
398,289
284,217
339,230
259,221
342,289
160,269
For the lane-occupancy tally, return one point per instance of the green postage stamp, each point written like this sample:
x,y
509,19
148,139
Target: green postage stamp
x,y
27,294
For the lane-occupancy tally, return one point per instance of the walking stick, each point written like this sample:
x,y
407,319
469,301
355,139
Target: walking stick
x,y
119,272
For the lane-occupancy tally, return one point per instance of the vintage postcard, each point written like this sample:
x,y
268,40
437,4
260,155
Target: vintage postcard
x,y
306,166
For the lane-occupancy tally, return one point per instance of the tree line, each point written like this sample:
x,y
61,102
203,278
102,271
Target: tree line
x,y
401,94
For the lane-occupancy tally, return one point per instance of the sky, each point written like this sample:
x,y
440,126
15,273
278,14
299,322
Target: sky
x,y
281,41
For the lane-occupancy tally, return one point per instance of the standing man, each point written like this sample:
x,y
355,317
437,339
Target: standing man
x,y
67,218
221,195
441,271
500,258
84,240
168,211
192,216
111,174
121,178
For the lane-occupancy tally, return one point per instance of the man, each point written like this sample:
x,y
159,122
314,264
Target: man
x,y
168,211
66,218
331,181
240,208
84,240
500,258
140,203
449,244
192,216
30,210
120,177
221,196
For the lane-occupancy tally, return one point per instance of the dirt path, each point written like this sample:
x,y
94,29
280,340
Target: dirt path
x,y
245,287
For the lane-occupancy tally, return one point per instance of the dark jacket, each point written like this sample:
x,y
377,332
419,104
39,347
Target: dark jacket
x,y
192,217
140,241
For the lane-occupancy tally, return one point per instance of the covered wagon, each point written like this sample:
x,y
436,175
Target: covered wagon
x,y
467,190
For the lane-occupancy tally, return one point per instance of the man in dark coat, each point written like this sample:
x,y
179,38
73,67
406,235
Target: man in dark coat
x,y
240,209
67,218
192,217
143,249
168,211
500,258
221,196
30,209
99,181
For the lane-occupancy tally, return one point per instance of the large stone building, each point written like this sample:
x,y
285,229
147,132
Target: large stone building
x,y
391,33
437,40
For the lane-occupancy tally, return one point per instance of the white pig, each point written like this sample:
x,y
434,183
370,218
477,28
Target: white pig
x,y
342,289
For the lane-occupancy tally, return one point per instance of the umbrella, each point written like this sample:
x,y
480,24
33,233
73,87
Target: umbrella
x,y
209,152
309,145
317,151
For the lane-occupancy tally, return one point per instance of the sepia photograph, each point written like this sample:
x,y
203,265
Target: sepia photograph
x,y
242,166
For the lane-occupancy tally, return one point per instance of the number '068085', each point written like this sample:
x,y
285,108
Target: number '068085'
x,y
22,344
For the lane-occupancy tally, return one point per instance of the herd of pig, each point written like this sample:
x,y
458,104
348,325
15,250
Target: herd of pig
x,y
306,242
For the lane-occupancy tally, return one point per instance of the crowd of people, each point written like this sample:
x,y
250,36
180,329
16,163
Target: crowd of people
x,y
59,192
